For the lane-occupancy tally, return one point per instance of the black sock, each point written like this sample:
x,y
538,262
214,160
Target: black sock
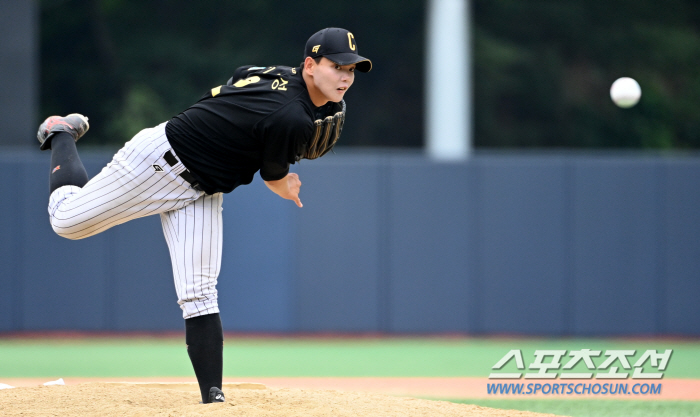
x,y
66,166
205,346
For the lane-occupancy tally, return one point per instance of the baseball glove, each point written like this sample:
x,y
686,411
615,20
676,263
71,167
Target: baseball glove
x,y
326,134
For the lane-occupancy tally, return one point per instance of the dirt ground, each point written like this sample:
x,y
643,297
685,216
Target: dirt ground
x,y
284,397
448,388
142,400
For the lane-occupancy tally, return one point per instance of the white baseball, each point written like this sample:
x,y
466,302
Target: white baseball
x,y
625,92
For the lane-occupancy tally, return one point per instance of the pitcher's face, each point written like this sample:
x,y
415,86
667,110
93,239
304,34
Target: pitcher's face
x,y
333,80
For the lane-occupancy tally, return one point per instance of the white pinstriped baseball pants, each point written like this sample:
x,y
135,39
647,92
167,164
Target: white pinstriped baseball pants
x,y
139,182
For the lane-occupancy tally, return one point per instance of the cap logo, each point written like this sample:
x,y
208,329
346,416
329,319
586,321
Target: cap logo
x,y
315,48
351,41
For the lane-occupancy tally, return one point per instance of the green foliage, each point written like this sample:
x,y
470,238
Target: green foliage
x,y
130,64
141,107
542,68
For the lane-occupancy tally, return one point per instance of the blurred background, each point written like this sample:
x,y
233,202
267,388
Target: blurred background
x,y
570,217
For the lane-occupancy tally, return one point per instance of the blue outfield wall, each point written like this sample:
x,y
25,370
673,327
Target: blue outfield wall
x,y
535,244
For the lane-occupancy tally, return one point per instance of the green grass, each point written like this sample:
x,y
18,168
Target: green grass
x,y
596,408
399,357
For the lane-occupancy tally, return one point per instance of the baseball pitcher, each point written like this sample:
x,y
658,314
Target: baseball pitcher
x,y
263,119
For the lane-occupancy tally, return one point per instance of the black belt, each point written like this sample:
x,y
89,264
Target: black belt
x,y
186,175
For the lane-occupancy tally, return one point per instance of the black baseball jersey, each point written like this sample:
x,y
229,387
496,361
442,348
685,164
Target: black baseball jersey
x,y
260,120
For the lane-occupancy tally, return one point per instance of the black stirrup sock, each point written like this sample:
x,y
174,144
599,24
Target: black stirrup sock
x,y
66,166
205,346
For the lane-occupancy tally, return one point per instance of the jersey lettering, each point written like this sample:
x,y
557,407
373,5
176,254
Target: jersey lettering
x,y
269,69
215,91
250,80
280,84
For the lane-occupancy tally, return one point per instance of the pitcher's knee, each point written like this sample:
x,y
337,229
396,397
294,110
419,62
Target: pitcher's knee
x,y
68,230
66,234
64,222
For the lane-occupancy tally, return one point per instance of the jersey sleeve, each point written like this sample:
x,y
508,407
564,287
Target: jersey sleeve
x,y
281,136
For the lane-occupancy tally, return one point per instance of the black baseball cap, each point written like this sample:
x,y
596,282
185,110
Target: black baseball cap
x,y
339,46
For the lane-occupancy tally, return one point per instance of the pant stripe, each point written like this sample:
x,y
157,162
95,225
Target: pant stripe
x,y
193,234
127,213
122,192
128,188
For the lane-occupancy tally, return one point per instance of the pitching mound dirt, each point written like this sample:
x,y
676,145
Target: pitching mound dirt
x,y
103,399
